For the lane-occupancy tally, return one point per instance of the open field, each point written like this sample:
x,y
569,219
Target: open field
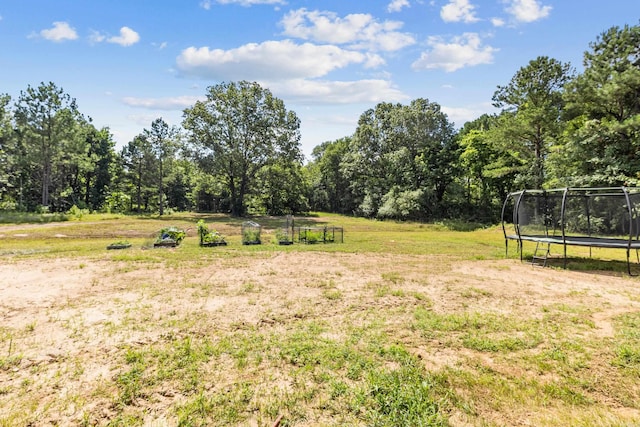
x,y
401,325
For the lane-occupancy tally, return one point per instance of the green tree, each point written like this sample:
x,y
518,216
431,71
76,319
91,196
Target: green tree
x,y
7,153
139,166
329,187
282,189
487,170
603,103
180,184
241,128
163,142
46,118
532,109
406,151
98,178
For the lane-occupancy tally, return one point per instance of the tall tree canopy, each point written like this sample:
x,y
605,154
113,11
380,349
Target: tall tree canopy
x,y
329,187
163,141
401,160
46,117
603,137
531,122
241,128
8,147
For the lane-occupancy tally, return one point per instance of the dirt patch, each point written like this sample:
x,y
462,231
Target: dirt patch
x,y
69,319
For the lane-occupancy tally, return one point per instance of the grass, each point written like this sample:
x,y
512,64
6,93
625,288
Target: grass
x,y
382,330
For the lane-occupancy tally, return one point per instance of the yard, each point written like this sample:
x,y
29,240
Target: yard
x,y
402,324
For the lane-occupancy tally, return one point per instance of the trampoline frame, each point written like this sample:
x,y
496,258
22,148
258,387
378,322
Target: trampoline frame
x,y
567,239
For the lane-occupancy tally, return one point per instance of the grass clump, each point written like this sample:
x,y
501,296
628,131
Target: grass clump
x,y
627,349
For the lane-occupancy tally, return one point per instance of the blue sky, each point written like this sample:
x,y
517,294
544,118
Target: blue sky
x,y
128,62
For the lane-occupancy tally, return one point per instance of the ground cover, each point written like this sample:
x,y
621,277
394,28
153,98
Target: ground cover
x,y
403,324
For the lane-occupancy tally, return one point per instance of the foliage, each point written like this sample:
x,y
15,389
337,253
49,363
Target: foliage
x,y
171,234
534,105
602,139
329,188
77,213
162,142
408,147
239,129
403,162
250,235
117,202
208,236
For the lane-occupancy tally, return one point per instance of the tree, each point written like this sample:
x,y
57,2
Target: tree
x,y
531,121
329,188
139,165
163,142
99,177
240,128
180,184
406,151
282,188
603,103
46,118
7,152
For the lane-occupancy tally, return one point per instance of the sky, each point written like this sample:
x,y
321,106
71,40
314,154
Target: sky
x,y
128,62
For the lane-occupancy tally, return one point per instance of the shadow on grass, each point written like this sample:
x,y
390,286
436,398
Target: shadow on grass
x,y
31,218
592,266
461,225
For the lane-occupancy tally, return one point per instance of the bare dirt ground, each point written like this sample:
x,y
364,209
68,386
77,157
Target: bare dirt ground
x,y
68,318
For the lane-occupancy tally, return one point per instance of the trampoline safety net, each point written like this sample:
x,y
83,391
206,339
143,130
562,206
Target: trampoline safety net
x,y
597,217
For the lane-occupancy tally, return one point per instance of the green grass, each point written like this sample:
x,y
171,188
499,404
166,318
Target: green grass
x,y
417,343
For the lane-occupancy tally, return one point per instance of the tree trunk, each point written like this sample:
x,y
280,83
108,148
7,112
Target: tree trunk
x,y
160,191
139,186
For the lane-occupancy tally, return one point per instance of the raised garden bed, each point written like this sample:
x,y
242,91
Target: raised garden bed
x,y
284,235
169,237
209,238
251,233
119,245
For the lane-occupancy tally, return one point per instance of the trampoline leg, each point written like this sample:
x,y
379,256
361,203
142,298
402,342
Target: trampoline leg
x,y
564,262
629,263
520,248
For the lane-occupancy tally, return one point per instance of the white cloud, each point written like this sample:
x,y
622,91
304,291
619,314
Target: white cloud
x,y
295,91
270,60
462,51
175,103
458,11
527,10
61,31
359,30
337,92
160,46
397,5
206,4
497,22
460,115
96,37
127,37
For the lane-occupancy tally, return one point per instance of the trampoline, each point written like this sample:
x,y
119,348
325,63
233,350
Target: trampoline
x,y
587,217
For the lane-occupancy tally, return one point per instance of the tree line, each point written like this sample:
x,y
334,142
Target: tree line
x,y
238,151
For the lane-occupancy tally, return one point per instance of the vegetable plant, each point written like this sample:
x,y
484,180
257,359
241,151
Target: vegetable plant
x,y
170,236
209,237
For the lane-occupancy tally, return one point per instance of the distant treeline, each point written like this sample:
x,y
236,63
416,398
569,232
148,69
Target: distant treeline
x,y
238,151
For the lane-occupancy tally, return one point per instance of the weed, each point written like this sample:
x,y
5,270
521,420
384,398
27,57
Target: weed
x,y
332,294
